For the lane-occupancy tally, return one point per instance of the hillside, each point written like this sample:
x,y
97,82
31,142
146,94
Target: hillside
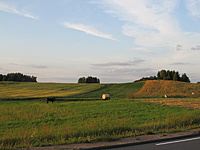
x,y
120,90
147,89
160,88
22,90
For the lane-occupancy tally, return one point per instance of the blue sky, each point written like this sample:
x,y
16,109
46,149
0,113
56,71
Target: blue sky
x,y
114,40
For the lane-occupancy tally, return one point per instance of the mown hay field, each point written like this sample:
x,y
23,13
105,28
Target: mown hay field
x,y
174,89
190,103
35,123
22,90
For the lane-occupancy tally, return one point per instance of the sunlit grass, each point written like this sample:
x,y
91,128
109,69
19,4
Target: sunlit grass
x,y
159,88
15,90
35,123
20,90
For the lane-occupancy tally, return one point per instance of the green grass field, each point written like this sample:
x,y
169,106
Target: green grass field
x,y
25,121
20,90
35,123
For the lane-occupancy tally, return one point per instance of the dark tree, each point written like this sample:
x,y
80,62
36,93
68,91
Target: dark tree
x,y
82,80
176,76
89,79
184,78
1,77
162,75
19,77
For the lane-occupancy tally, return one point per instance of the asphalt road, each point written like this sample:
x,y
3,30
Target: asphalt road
x,y
192,143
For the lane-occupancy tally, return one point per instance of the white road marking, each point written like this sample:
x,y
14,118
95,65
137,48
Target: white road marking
x,y
172,142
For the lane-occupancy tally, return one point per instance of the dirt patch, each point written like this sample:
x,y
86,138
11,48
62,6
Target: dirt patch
x,y
128,140
176,89
180,102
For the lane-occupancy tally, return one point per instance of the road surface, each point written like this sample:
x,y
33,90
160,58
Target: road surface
x,y
181,144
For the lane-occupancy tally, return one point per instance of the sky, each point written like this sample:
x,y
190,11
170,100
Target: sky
x,y
115,40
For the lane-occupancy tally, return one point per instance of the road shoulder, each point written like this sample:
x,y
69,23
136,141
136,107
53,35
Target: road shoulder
x,y
123,142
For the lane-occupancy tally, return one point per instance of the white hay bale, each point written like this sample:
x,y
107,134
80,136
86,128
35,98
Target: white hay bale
x,y
105,96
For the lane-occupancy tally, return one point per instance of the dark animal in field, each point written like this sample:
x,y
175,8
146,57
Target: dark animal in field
x,y
51,99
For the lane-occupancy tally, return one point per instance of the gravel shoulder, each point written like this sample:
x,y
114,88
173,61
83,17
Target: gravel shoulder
x,y
137,139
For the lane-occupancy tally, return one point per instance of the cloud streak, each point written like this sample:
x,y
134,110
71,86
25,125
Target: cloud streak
x,y
13,10
180,64
88,30
128,63
39,66
197,48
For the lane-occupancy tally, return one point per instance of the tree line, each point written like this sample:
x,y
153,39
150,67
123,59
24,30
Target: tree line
x,y
89,79
19,77
167,75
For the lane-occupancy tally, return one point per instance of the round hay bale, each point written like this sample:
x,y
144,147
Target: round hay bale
x,y
105,96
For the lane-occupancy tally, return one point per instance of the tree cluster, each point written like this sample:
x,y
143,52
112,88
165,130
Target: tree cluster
x,y
89,79
19,77
167,75
172,75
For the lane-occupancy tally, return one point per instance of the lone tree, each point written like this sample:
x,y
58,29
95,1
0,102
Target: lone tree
x,y
89,79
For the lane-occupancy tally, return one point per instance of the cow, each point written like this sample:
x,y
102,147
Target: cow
x,y
51,99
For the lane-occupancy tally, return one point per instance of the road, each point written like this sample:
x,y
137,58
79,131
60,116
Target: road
x,y
182,144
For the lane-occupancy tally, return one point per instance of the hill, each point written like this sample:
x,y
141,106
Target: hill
x,y
160,88
120,90
22,90
145,89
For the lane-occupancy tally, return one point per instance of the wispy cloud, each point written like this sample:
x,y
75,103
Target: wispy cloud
x,y
193,7
39,66
88,29
112,64
153,23
128,63
180,64
197,48
14,10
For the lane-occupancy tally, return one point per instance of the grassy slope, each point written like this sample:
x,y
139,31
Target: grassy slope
x,y
122,90
159,88
19,90
16,90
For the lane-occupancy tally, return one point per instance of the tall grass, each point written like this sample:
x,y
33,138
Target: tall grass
x,y
35,123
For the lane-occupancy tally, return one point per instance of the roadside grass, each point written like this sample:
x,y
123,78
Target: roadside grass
x,y
35,123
